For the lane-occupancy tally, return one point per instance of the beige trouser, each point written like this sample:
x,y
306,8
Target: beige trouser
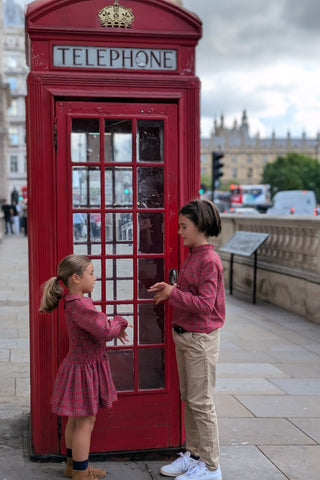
x,y
197,355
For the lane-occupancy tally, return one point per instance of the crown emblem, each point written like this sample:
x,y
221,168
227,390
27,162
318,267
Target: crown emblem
x,y
116,16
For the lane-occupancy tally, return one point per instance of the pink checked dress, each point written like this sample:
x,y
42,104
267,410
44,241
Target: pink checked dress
x,y
84,382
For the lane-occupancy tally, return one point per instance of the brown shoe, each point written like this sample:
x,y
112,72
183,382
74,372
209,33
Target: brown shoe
x,y
69,468
91,473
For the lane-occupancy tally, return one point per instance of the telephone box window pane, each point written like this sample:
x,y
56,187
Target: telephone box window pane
x,y
79,226
122,368
85,140
96,293
151,323
150,187
150,271
118,140
94,226
150,232
129,331
119,233
119,290
120,272
151,368
97,268
86,233
118,187
86,190
150,140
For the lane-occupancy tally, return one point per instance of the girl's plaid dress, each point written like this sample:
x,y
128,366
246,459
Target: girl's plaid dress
x,y
84,382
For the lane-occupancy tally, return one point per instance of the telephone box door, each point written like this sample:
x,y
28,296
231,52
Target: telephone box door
x,y
117,202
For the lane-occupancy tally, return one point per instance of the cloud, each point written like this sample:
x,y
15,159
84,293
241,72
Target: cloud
x,y
263,57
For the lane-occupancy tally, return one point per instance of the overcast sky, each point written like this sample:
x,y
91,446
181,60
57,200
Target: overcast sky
x,y
262,56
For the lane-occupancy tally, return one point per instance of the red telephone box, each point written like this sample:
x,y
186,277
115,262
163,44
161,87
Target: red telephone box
x,y
113,151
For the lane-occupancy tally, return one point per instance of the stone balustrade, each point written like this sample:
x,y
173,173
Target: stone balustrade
x,y
288,262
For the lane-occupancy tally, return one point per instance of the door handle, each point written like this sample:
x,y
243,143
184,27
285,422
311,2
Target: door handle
x,y
173,276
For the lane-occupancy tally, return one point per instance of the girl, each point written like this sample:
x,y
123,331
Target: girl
x,y
198,312
84,381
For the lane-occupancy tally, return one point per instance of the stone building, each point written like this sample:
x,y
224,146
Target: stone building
x,y
4,104
245,156
14,72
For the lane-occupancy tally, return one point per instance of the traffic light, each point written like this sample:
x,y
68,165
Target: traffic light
x,y
217,167
203,189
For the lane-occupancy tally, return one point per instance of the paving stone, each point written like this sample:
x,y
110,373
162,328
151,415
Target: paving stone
x,y
9,333
300,370
310,426
4,355
7,387
246,385
248,370
22,387
20,355
297,462
260,431
248,463
228,406
298,386
281,405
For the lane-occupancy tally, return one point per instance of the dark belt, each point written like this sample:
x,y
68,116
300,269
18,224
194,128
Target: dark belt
x,y
179,329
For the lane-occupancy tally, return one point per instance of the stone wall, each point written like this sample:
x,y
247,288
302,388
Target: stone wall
x,y
288,262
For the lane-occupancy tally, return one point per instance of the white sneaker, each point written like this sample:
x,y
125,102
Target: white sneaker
x,y
199,471
179,466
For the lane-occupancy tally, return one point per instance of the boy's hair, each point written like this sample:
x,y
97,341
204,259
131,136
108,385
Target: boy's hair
x,y
205,215
52,290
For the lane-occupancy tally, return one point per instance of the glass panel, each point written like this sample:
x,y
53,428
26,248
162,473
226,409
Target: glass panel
x,y
96,294
124,310
150,140
130,332
151,368
150,271
97,267
79,226
86,236
94,226
119,233
86,187
151,323
85,140
121,272
150,232
150,187
118,140
118,187
121,364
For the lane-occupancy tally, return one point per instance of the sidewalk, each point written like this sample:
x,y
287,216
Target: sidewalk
x,y
268,389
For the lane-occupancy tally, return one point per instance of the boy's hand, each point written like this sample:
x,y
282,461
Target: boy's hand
x,y
161,290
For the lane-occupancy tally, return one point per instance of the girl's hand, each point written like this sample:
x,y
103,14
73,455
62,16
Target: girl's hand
x,y
162,291
123,336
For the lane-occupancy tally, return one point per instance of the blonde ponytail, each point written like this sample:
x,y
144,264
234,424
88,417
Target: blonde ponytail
x,y
52,294
52,290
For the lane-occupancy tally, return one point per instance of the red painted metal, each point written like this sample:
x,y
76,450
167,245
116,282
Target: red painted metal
x,y
147,419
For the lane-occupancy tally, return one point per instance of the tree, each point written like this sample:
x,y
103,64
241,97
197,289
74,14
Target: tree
x,y
293,172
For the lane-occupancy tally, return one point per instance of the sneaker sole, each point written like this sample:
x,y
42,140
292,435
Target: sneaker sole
x,y
166,474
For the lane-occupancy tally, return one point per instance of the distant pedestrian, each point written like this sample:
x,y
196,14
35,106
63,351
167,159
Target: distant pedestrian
x,y
84,382
8,219
15,218
25,217
198,303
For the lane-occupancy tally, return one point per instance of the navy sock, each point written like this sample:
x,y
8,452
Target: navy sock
x,y
69,452
80,465
194,457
